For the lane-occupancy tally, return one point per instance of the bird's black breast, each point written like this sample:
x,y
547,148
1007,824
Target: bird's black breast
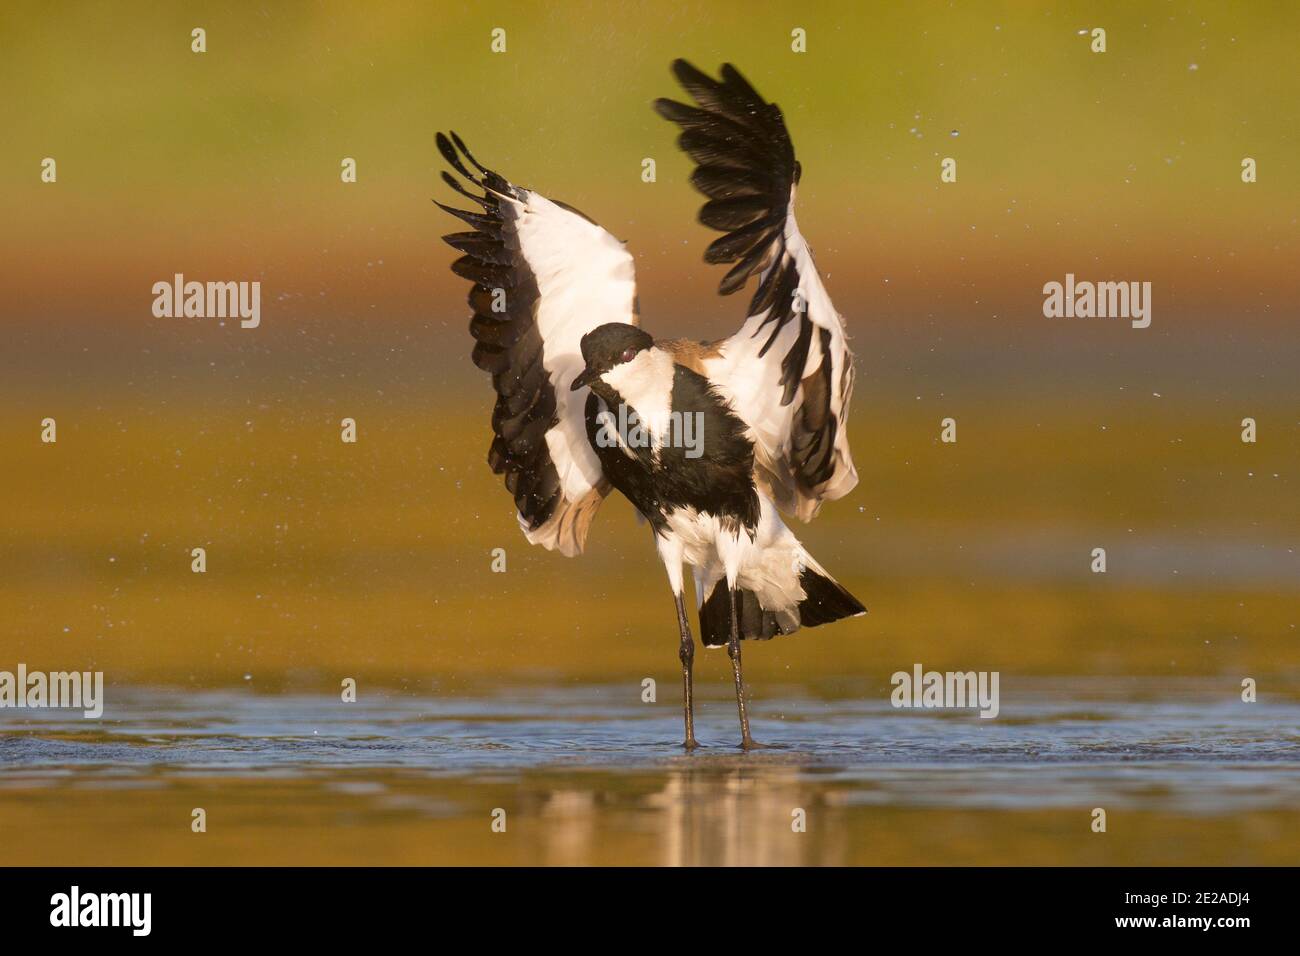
x,y
705,462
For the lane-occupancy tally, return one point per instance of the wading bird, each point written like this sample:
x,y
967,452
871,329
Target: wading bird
x,y
556,323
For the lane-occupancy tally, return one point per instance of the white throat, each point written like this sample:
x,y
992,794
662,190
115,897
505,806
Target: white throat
x,y
646,385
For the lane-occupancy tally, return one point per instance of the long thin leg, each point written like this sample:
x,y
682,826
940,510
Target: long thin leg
x,y
687,655
670,552
733,651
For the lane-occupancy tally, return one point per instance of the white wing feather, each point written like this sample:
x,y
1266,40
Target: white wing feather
x,y
559,275
788,372
586,278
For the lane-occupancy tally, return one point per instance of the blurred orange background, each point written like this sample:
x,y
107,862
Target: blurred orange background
x,y
373,560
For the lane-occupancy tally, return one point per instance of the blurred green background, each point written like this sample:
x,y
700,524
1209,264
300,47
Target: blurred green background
x,y
373,560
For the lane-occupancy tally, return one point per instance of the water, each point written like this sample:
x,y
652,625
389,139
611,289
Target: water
x,y
1185,771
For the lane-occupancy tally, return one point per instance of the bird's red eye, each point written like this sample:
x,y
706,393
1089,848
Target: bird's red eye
x,y
628,355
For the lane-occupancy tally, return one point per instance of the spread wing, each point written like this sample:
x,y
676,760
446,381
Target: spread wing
x,y
788,372
544,275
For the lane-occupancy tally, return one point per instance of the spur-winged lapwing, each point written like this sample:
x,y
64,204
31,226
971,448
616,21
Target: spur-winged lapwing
x,y
709,441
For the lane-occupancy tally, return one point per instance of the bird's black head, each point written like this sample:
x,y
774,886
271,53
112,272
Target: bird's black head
x,y
607,346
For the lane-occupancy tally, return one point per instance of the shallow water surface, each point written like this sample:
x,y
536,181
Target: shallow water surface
x,y
1185,771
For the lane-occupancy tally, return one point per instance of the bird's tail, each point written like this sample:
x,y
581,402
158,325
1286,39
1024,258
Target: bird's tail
x,y
825,600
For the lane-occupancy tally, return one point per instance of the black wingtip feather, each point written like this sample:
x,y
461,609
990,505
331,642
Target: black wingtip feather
x,y
506,345
683,70
732,77
746,166
667,108
449,154
450,180
460,144
482,223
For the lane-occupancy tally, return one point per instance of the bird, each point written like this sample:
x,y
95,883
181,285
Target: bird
x,y
711,441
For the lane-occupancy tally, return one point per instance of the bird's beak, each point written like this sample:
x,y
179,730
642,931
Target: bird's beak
x,y
585,377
